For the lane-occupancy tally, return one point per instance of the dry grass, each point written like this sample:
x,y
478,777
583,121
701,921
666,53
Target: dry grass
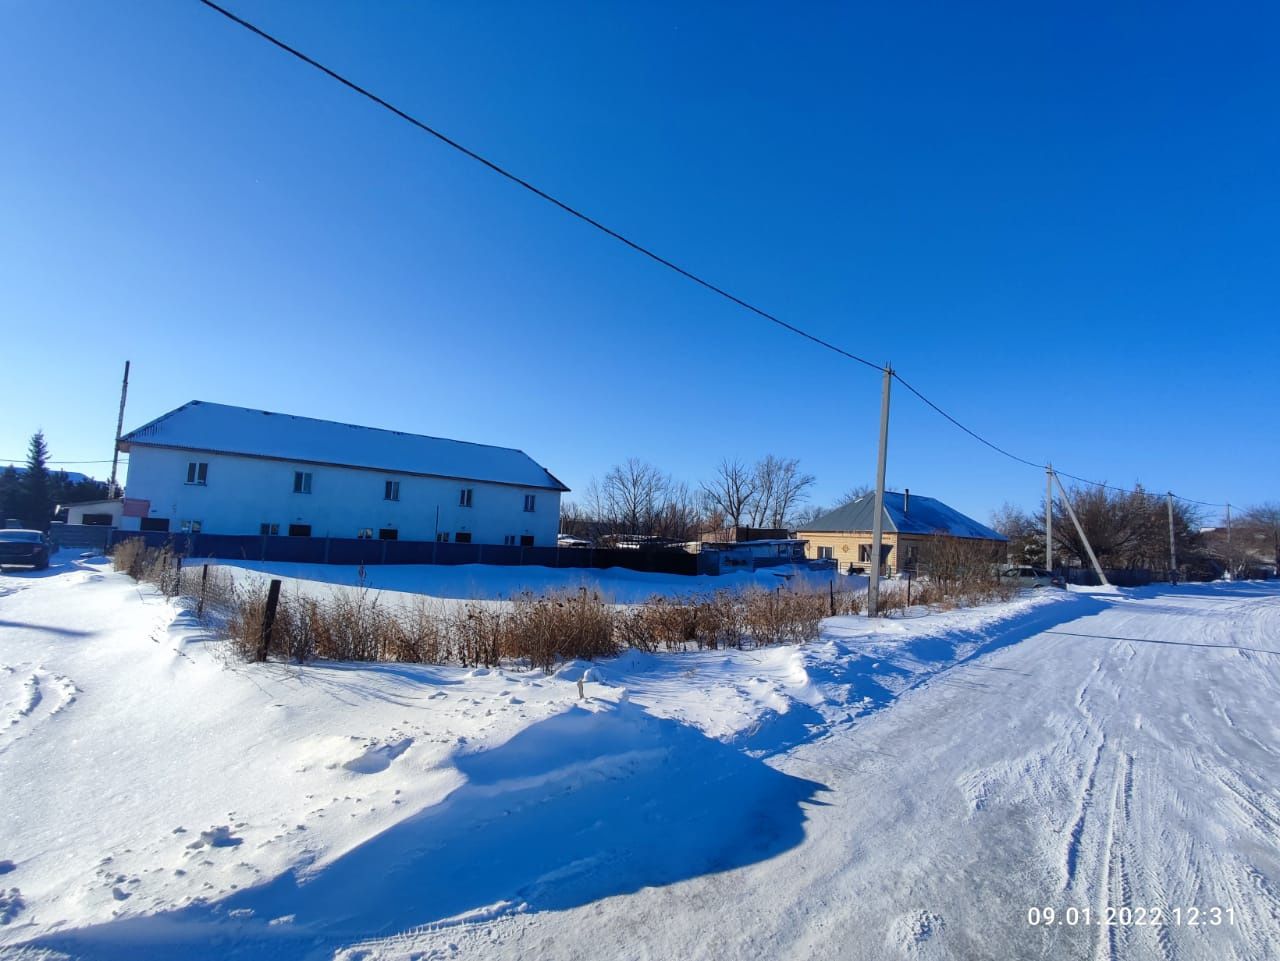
x,y
534,630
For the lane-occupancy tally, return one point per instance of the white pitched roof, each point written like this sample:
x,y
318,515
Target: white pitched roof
x,y
219,428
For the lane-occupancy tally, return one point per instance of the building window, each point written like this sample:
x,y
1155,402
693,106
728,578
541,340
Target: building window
x,y
364,534
153,524
392,491
302,482
197,472
864,553
526,540
529,501
300,530
462,537
509,540
388,534
190,527
443,537
99,520
826,553
464,497
269,530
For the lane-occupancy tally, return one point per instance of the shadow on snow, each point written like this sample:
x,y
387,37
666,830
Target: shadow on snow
x,y
595,802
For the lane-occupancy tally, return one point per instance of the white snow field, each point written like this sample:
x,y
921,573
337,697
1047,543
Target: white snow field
x,y
900,789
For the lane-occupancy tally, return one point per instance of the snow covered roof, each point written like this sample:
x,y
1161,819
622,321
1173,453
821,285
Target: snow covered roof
x,y
923,515
219,428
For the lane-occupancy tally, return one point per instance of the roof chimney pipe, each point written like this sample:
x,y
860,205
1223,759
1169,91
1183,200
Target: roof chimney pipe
x,y
906,500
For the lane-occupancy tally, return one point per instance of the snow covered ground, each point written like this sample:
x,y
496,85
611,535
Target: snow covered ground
x,y
898,789
490,582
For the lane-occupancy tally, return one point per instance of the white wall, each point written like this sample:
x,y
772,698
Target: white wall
x,y
243,493
76,512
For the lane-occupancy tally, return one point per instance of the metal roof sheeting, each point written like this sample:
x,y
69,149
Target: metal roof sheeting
x,y
926,515
219,428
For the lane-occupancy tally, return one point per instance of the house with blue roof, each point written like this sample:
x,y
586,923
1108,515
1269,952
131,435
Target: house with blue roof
x,y
909,523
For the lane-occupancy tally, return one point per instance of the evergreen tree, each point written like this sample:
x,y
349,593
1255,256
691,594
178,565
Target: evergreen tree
x,y
10,493
37,486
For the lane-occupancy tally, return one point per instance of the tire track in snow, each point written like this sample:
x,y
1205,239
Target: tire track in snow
x,y
43,695
1071,854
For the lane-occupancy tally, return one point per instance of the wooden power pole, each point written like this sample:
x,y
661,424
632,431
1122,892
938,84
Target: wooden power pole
x,y
115,448
877,522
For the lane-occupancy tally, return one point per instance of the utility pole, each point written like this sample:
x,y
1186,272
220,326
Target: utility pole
x,y
1173,550
115,448
1088,548
877,522
1231,570
1048,518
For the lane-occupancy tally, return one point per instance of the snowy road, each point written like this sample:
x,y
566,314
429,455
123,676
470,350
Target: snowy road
x,y
1126,756
904,789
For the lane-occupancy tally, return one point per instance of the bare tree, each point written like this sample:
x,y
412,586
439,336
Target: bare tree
x,y
791,489
636,497
781,487
1128,529
731,491
1259,528
854,492
1025,534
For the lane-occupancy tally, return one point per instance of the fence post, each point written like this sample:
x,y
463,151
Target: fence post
x,y
204,579
177,575
831,585
269,619
908,587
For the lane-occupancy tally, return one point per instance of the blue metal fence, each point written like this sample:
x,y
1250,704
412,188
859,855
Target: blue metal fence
x,y
343,550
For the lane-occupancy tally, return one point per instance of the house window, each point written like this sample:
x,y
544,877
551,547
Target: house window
x,y
388,534
443,537
302,482
197,472
526,540
98,520
269,530
153,524
509,540
190,527
391,492
364,534
864,553
300,530
462,537
826,553
529,500
464,496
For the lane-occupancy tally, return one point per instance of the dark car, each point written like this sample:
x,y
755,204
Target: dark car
x,y
28,548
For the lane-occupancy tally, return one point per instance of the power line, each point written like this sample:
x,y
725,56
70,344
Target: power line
x,y
639,248
537,191
14,461
1030,463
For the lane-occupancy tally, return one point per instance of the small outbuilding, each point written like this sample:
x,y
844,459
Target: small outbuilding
x,y
96,513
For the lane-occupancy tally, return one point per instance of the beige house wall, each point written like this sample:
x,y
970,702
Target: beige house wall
x,y
846,546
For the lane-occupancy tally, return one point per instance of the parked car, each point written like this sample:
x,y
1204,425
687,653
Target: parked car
x,y
26,548
1027,576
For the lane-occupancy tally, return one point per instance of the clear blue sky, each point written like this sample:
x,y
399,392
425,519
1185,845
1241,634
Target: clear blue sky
x,y
1060,221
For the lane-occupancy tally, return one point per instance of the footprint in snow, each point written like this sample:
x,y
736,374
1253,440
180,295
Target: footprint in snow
x,y
378,757
915,934
216,837
11,904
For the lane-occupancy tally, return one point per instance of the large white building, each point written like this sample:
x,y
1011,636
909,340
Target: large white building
x,y
217,469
